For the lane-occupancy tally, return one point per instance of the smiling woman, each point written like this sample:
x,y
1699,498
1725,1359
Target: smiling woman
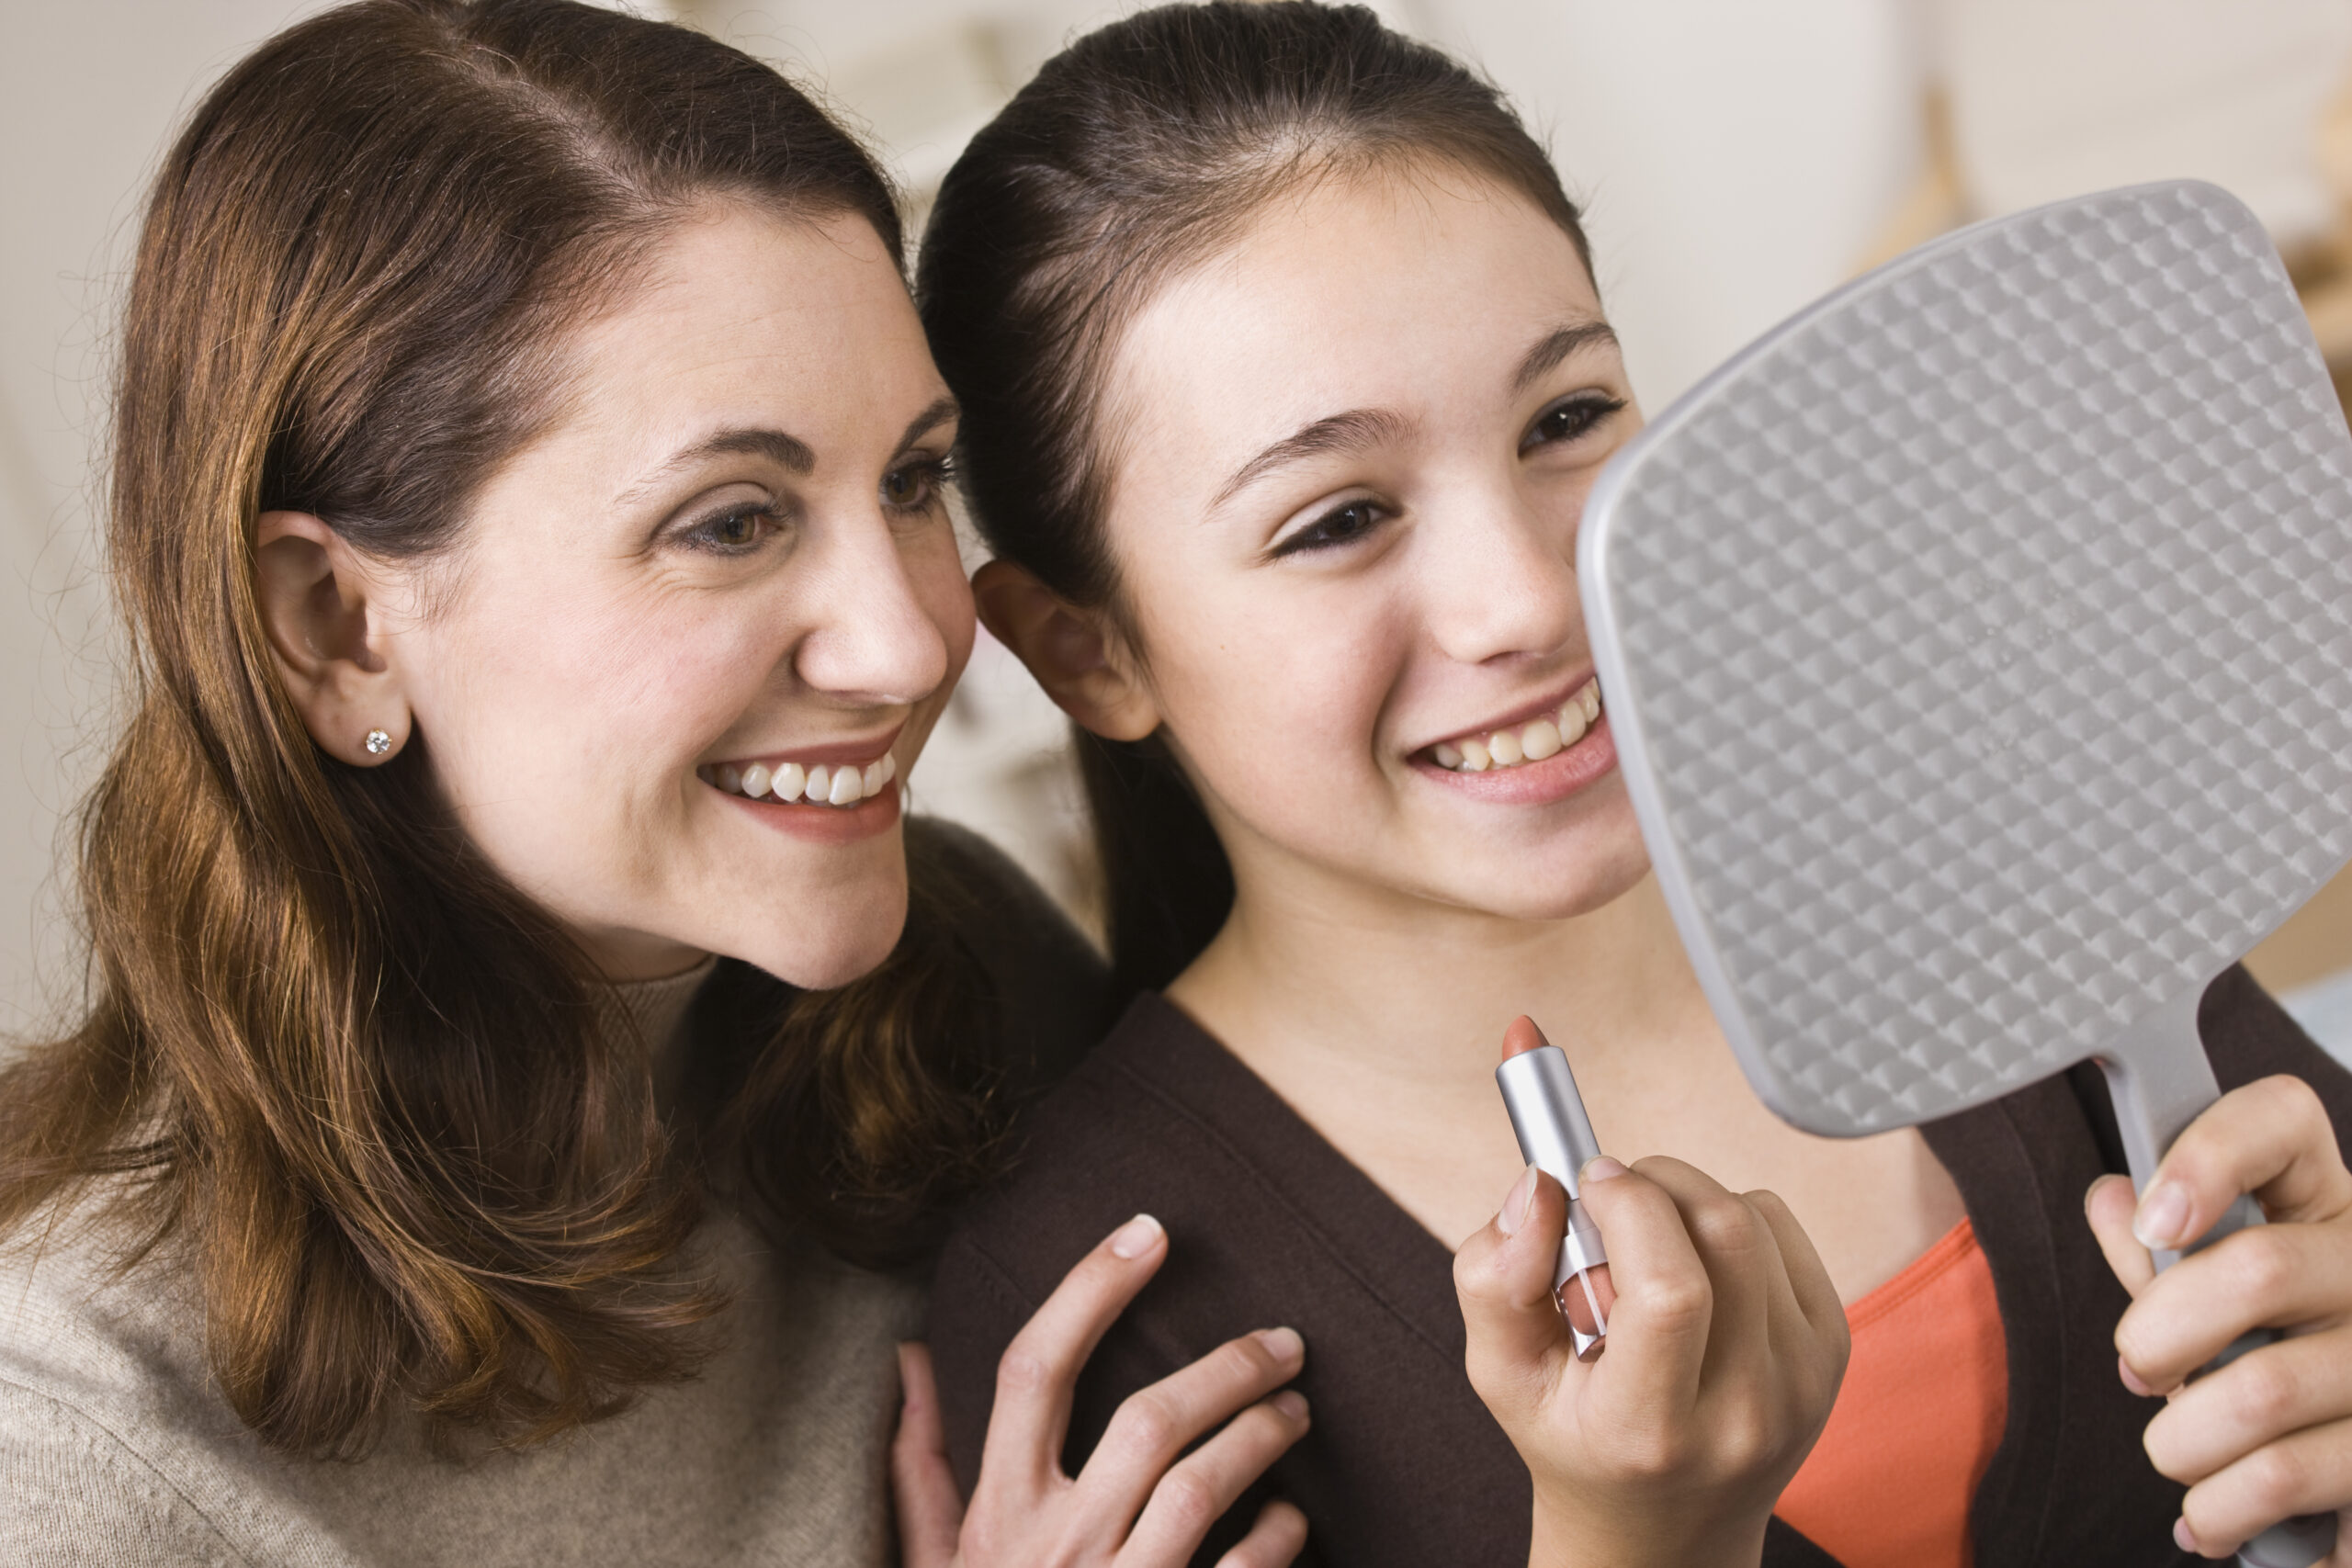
x,y
521,1009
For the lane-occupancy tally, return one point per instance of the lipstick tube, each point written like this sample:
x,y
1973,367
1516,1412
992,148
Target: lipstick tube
x,y
1556,1136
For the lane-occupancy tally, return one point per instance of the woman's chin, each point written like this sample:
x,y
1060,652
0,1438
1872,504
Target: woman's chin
x,y
851,948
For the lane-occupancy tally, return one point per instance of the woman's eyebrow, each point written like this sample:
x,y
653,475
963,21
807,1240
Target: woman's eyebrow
x,y
930,419
1357,430
788,452
1557,346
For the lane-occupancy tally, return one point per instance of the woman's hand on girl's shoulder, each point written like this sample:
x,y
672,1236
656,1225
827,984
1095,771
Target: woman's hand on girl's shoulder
x,y
1724,1351
2269,1435
1141,1501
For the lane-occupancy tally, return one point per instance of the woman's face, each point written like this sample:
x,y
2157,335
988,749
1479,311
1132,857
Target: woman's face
x,y
1350,458
731,551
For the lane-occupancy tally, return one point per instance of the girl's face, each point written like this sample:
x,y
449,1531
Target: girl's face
x,y
731,551
1350,458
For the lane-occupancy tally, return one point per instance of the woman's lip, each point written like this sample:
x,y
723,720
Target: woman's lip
x,y
823,824
1527,714
1556,777
831,755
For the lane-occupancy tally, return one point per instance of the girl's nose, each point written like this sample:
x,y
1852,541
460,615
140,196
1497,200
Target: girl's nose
x,y
1502,580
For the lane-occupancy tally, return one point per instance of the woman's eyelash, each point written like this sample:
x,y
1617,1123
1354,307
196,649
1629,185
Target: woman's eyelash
x,y
935,474
722,532
1571,418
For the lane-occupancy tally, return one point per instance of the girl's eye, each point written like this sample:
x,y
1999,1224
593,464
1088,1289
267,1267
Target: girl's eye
x,y
1343,524
732,532
914,486
1564,421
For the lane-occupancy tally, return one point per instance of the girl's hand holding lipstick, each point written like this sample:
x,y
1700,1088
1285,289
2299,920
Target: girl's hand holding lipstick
x,y
1724,1349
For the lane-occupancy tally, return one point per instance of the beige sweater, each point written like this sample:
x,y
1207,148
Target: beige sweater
x,y
115,1451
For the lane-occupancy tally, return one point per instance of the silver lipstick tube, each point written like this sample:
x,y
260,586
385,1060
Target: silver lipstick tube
x,y
1556,1137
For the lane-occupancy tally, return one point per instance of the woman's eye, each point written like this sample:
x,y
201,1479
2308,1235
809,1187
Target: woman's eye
x,y
733,531
1568,421
915,486
1338,527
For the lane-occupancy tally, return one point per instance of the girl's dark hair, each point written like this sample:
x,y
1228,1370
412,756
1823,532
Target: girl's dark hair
x,y
1140,151
355,1075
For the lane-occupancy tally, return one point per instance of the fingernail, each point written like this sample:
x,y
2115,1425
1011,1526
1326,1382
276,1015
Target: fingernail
x,y
1600,1169
1291,1403
1513,1213
2184,1538
2163,1214
1136,1237
2132,1379
1282,1344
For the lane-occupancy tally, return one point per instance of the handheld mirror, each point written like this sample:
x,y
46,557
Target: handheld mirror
x,y
1978,646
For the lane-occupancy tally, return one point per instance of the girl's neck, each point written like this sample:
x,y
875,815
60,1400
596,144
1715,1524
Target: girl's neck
x,y
1411,991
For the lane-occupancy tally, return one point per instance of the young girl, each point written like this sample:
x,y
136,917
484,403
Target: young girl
x,y
527,510
1285,381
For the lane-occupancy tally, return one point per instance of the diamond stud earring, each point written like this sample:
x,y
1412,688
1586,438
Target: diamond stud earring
x,y
379,742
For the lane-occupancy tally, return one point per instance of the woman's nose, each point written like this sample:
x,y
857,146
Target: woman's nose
x,y
1503,581
875,640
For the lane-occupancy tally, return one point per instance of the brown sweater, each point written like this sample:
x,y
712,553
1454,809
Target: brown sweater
x,y
1404,1466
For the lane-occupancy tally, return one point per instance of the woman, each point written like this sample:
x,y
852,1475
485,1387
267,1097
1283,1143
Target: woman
x,y
519,1065
1284,379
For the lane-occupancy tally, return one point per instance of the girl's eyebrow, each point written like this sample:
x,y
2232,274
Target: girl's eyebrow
x,y
1357,430
1558,346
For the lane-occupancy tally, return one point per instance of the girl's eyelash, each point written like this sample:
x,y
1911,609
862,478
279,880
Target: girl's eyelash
x,y
1327,532
1587,409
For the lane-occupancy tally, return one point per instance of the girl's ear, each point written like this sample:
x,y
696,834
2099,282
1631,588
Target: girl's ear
x,y
1075,654
328,637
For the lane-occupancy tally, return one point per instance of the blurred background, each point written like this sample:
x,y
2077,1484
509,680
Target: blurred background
x,y
1737,160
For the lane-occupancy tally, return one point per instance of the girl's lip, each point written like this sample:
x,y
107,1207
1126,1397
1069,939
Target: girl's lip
x,y
1556,777
831,755
1525,713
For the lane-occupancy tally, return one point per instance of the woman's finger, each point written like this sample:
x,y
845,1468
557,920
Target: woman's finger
x,y
2272,1138
923,1484
2110,1206
1034,1376
1277,1538
2263,1277
1502,1276
2259,1397
1196,1492
1154,1425
2308,1472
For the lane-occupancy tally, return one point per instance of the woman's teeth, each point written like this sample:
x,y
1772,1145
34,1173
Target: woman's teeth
x,y
1531,742
820,785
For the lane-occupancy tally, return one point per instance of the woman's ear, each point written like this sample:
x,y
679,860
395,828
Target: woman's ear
x,y
328,637
1074,654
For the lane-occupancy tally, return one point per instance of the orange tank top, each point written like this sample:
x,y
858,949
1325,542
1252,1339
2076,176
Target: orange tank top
x,y
1916,1420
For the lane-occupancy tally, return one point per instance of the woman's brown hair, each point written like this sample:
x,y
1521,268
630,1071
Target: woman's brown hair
x,y
1143,149
333,1058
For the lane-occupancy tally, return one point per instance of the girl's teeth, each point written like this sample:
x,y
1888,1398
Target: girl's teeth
x,y
755,780
1531,742
789,782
